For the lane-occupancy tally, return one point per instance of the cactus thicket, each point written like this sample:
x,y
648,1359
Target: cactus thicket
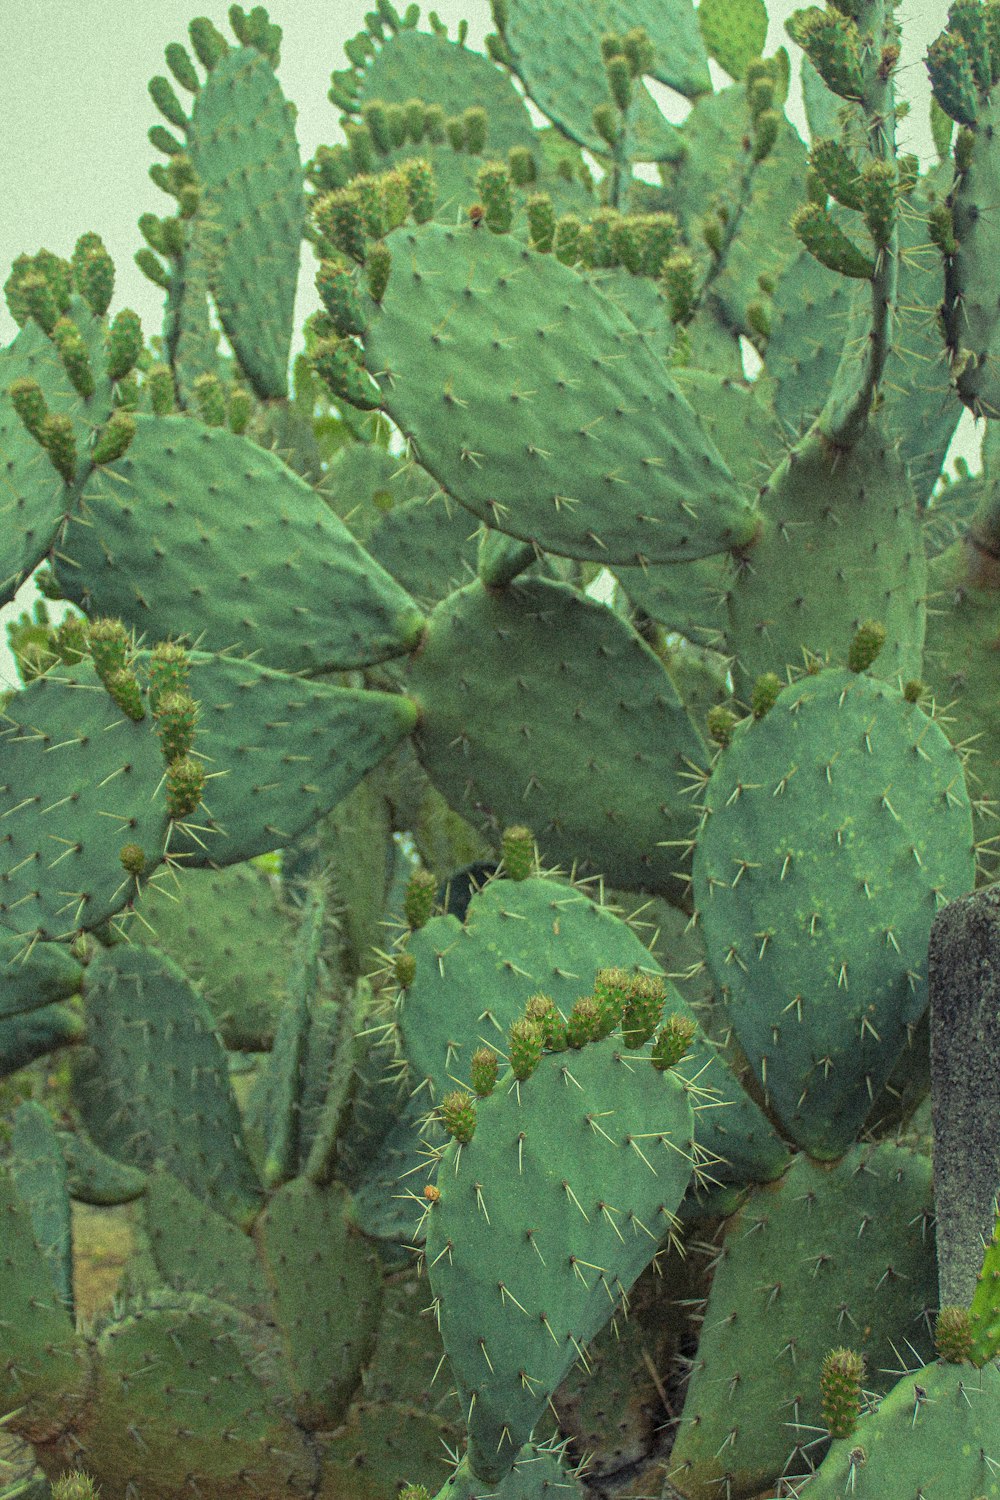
x,y
477,825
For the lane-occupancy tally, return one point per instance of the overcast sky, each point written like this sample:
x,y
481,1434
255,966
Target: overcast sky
x,y
74,113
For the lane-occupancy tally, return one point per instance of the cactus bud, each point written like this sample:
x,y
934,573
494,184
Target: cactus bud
x,y
395,196
643,1008
625,245
405,970
209,44
673,1042
518,849
953,80
760,96
941,228
93,273
338,293
123,343
457,1113
71,639
56,437
374,116
869,638
541,222
607,124
765,694
953,1337
419,899
19,288
420,187
178,60
339,364
765,133
152,268
759,319
878,190
415,1492
721,722
475,124
829,244
110,646
168,668
913,690
29,403
522,166
483,1065
583,1024
493,182
639,50
678,279
161,91
566,240
113,439
965,142
133,858
159,384
833,46
378,264
238,409
338,218
209,400
185,781
75,1486
840,1385
525,1047
176,717
123,686
619,76
835,166
414,113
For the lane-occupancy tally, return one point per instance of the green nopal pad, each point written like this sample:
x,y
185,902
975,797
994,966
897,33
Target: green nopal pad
x,y
971,323
230,932
831,517
382,1446
179,1366
39,1172
820,1259
197,1250
538,1472
556,52
327,1286
504,740
243,146
364,482
42,1369
155,1086
479,345
545,1219
94,1177
280,751
428,546
34,975
934,1435
24,1038
33,497
79,782
196,530
734,34
834,828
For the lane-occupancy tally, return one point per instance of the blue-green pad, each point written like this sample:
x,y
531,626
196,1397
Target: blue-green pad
x,y
537,403
33,497
680,61
429,546
25,1038
198,531
541,935
33,975
822,1259
545,1219
532,699
934,1435
833,830
155,1087
40,1181
243,146
198,1250
94,1177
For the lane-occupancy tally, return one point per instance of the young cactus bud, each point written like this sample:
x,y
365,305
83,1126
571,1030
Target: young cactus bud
x,y
110,646
953,1338
29,403
457,1113
71,639
829,244
123,343
238,409
161,91
56,437
721,722
965,142
420,189
765,133
673,1042
419,899
541,222
378,264
642,1009
185,781
210,400
678,280
339,364
518,848
879,191
475,123
395,119
607,124
639,50
338,218
414,111
765,694
953,80
113,439
395,200
75,1486
624,245
493,182
160,137
611,990
483,1065
832,44
159,385
525,1048
840,1386
583,1024
760,96
123,685
835,166
176,717
619,80
93,273
914,690
133,858
73,353
566,242
375,118
405,969
338,292
169,665
178,60
152,268
522,166
54,272
209,44
656,238
542,1013
869,638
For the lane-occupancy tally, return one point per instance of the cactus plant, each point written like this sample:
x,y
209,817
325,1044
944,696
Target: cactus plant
x,y
480,829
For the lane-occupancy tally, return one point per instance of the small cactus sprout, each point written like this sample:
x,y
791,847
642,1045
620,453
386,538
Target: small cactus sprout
x,y
493,182
518,852
525,1047
483,1065
378,264
176,716
541,222
721,722
75,1486
56,437
73,353
124,343
160,385
869,638
583,1024
643,1008
28,401
522,166
93,273
679,276
210,400
566,241
420,187
953,1335
405,970
71,639
110,646
238,409
542,1011
123,685
133,858
673,1041
765,694
619,80
913,690
879,189
113,439
611,990
457,1112
476,124
415,1492
418,901
185,784
840,1386
169,665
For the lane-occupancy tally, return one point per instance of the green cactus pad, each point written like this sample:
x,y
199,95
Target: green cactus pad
x,y
39,1171
24,1038
251,574
833,830
830,514
154,1086
537,1470
734,34
35,975
94,1177
327,1286
243,147
230,932
550,746
822,1258
197,1250
535,438
971,324
934,1434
